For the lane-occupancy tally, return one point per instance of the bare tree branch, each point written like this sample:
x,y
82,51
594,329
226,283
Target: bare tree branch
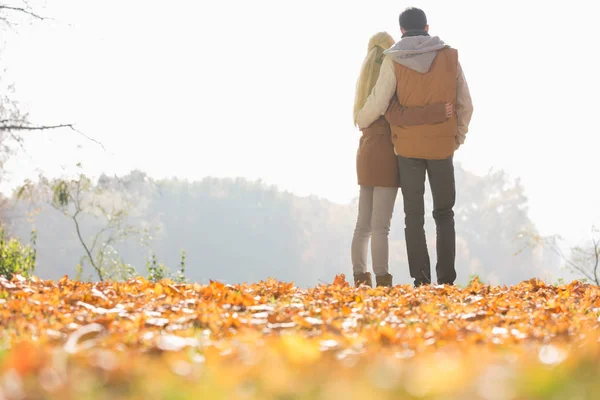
x,y
33,128
582,268
22,10
20,127
105,229
16,139
78,209
89,254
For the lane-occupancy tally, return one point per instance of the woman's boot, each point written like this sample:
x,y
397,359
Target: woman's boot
x,y
384,280
363,279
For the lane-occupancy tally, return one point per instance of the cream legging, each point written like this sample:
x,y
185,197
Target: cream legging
x,y
375,209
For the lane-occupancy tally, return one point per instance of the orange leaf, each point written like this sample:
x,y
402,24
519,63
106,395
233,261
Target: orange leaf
x,y
340,280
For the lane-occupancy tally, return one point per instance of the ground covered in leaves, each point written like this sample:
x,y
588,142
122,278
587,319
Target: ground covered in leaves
x,y
142,340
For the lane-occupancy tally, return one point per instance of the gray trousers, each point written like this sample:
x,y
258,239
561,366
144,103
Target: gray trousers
x,y
441,180
375,209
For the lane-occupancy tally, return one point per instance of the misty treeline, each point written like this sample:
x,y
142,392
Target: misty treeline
x,y
235,230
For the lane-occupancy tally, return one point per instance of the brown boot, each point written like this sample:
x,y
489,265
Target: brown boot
x,y
384,280
363,279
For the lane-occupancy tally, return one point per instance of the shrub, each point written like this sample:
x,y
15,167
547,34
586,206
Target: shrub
x,y
15,257
158,271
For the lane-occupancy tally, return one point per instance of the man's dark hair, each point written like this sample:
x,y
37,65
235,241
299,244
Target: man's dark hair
x,y
413,19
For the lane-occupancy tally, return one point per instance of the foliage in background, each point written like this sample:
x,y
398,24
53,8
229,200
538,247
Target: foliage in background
x,y
16,258
159,271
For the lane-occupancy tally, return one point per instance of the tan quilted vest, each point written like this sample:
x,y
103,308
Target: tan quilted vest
x,y
414,89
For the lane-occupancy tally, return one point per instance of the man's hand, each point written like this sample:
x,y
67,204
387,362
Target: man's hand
x,y
397,115
459,141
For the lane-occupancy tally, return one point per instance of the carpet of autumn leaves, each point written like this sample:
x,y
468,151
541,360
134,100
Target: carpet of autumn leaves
x,y
141,340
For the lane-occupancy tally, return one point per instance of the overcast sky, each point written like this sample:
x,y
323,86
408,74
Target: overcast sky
x,y
264,89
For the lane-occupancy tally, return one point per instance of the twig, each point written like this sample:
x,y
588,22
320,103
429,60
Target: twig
x,y
6,21
17,139
24,11
87,137
573,265
106,228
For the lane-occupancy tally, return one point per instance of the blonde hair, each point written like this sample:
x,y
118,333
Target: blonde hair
x,y
369,71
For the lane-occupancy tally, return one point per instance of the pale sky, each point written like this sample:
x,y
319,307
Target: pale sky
x,y
264,89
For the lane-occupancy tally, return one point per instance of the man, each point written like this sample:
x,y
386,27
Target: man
x,y
422,70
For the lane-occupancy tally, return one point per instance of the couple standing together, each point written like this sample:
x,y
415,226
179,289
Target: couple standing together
x,y
413,107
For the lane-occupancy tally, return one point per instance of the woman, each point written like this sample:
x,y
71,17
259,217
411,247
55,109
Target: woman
x,y
377,168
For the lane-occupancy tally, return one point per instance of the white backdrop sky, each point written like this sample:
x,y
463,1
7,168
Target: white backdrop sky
x,y
264,89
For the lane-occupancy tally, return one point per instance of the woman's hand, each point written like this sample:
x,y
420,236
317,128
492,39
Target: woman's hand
x,y
449,110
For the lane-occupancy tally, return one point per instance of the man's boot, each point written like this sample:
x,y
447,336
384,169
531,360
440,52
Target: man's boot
x,y
363,279
384,280
419,283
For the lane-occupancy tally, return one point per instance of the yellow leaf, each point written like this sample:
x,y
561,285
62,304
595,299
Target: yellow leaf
x,y
158,289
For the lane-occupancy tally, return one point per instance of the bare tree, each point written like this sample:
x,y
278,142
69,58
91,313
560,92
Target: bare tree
x,y
14,122
79,199
581,260
584,260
